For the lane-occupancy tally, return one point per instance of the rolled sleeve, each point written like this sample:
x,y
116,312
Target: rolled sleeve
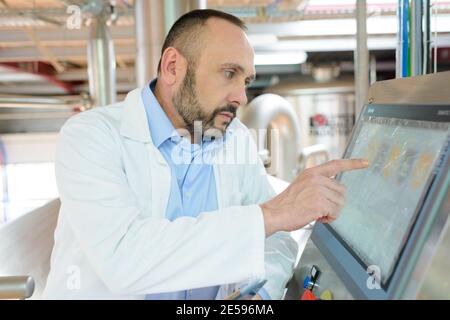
x,y
264,294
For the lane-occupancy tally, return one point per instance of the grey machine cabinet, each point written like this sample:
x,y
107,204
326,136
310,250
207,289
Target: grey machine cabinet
x,y
419,268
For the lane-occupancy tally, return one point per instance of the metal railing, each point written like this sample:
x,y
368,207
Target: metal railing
x,y
16,287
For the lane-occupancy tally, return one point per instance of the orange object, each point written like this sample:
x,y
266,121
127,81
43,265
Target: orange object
x,y
308,295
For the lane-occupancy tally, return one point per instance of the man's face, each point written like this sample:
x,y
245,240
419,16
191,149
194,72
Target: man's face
x,y
217,87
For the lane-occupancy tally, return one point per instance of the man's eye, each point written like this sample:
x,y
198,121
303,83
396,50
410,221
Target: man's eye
x,y
229,74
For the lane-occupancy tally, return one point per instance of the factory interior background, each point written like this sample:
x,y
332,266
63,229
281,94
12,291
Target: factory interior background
x,y
59,58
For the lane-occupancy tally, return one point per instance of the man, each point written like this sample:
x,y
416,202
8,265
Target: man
x,y
161,196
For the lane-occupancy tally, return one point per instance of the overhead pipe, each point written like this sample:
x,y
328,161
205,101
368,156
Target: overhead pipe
x,y
44,100
399,48
46,107
30,100
46,104
416,38
413,55
361,56
426,37
373,69
403,69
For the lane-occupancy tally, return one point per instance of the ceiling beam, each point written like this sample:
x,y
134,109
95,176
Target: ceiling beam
x,y
52,34
62,53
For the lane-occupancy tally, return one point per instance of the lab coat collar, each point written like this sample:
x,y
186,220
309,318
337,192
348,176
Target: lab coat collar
x,y
134,120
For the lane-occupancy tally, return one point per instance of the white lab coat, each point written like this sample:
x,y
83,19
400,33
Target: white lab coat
x,y
113,241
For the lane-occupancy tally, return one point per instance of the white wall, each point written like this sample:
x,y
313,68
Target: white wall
x,y
28,179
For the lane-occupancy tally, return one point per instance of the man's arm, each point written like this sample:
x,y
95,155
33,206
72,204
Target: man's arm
x,y
312,196
280,248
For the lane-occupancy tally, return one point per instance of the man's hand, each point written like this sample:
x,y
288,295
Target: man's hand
x,y
313,195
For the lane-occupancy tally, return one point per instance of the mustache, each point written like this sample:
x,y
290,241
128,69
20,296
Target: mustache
x,y
228,108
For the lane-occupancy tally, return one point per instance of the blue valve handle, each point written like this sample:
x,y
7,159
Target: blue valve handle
x,y
307,283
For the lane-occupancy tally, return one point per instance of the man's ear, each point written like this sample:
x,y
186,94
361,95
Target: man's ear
x,y
171,66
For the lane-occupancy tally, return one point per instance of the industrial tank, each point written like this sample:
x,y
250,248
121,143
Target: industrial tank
x,y
326,112
275,127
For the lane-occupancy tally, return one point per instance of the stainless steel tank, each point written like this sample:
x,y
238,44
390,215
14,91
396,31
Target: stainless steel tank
x,y
325,112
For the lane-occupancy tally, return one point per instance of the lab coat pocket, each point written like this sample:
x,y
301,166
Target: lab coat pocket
x,y
235,199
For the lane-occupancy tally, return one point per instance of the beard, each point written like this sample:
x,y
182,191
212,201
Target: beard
x,y
186,102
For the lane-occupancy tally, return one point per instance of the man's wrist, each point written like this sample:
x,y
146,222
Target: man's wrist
x,y
269,220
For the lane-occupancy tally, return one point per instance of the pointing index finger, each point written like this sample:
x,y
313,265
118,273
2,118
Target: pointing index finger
x,y
333,167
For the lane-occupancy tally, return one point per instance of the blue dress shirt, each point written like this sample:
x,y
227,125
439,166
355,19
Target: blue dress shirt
x,y
193,185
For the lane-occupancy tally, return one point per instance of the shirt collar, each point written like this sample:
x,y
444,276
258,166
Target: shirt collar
x,y
160,126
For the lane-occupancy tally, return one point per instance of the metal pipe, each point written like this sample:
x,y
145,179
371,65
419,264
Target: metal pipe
x,y
153,20
199,4
101,63
173,9
404,16
373,69
316,151
402,53
280,135
416,38
435,45
184,6
30,106
398,49
32,100
150,32
361,56
17,287
426,37
69,104
36,115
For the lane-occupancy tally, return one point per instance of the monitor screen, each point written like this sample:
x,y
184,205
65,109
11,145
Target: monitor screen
x,y
383,200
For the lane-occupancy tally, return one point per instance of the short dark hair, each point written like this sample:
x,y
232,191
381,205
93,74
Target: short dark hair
x,y
182,35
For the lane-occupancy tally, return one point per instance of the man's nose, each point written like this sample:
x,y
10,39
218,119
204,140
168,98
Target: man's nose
x,y
239,96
